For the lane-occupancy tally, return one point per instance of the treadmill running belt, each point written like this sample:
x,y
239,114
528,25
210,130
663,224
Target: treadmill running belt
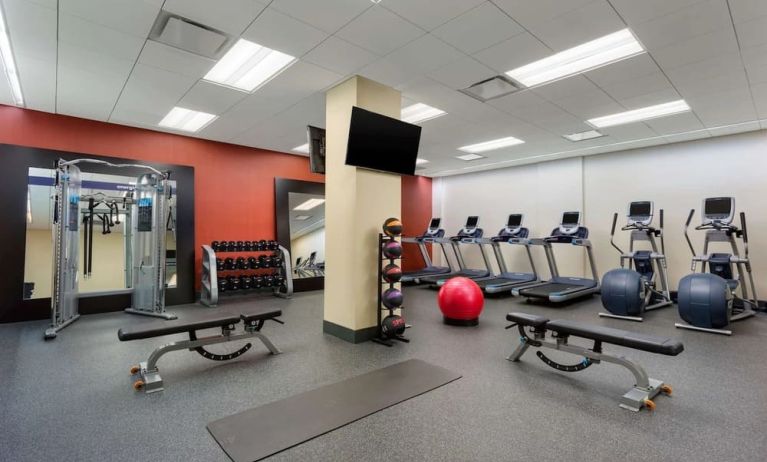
x,y
552,288
266,430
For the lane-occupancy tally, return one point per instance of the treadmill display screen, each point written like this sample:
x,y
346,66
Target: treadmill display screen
x,y
718,206
570,218
435,223
640,209
472,222
514,221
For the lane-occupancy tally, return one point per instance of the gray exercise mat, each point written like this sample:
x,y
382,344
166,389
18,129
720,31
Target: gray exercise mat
x,y
266,430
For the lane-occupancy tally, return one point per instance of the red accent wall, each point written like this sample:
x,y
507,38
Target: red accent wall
x,y
416,214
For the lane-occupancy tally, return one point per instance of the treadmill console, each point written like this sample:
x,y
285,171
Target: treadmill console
x,y
513,228
571,222
640,213
434,230
720,210
470,229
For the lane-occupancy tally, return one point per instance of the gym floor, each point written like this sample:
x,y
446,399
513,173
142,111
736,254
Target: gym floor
x,y
71,399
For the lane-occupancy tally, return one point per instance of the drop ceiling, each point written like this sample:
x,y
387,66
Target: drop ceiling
x,y
92,59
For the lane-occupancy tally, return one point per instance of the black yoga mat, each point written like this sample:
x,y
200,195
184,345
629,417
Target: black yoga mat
x,y
266,430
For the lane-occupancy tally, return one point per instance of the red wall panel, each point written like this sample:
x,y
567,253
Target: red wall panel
x,y
416,213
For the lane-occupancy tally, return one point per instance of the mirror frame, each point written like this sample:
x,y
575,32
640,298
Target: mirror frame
x,y
282,189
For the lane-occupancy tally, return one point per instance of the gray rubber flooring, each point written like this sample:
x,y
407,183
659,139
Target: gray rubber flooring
x,y
71,399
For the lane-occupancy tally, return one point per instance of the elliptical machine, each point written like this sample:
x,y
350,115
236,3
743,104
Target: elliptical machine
x,y
708,302
627,293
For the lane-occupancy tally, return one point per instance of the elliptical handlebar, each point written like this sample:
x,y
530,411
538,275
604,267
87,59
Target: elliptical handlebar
x,y
662,241
744,233
686,235
612,234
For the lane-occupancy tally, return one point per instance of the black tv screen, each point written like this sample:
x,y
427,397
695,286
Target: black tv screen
x,y
382,143
316,138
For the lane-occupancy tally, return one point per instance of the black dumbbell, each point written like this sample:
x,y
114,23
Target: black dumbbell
x,y
268,280
278,280
252,263
247,246
214,246
261,245
258,282
277,261
271,245
231,246
268,261
233,282
229,263
262,261
219,264
246,282
222,285
241,263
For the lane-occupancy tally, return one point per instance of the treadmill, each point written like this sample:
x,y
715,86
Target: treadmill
x,y
470,234
562,288
515,234
433,235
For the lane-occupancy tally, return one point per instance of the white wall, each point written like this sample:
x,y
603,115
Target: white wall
x,y
676,176
308,243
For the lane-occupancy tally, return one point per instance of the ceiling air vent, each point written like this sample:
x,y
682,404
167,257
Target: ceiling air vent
x,y
491,88
190,36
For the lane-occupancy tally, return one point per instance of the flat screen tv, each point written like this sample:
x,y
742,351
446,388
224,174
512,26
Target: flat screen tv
x,y
316,138
382,143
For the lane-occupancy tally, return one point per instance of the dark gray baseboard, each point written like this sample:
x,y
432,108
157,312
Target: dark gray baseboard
x,y
351,336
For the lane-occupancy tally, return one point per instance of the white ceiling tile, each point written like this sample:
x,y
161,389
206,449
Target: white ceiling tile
x,y
635,12
340,56
380,31
174,60
211,98
38,82
328,15
425,54
627,69
664,95
230,16
578,26
686,137
697,49
425,14
642,85
746,10
83,93
389,73
587,105
529,13
514,52
677,123
759,94
151,90
709,76
92,61
298,81
697,19
755,61
737,128
95,38
134,17
283,33
633,131
752,33
724,108
565,88
482,27
462,73
6,95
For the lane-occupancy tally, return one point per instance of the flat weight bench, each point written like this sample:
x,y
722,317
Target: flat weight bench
x,y
645,388
253,320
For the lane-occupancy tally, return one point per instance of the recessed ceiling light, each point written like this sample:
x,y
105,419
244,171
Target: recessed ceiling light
x,y
645,113
604,50
310,204
187,120
420,161
247,66
470,157
582,136
420,112
491,145
302,217
9,64
303,148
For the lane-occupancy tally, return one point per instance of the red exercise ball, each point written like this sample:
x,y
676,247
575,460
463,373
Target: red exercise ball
x,y
461,302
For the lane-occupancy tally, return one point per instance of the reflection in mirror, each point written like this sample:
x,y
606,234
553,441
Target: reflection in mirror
x,y
307,234
111,259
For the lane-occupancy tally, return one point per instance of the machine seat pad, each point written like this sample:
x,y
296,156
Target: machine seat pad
x,y
527,319
259,313
662,345
188,322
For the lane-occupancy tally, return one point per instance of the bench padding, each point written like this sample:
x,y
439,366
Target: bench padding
x,y
653,344
189,322
527,319
259,314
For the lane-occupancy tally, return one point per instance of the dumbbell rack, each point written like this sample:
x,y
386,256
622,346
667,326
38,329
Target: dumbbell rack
x,y
380,338
209,293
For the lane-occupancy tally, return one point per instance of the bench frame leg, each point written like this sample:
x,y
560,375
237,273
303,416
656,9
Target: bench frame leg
x,y
149,372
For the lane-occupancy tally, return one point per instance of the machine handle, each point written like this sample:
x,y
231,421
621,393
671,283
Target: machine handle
x,y
686,235
612,234
662,241
745,233
661,218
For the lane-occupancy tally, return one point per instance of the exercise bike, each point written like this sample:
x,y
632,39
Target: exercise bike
x,y
709,302
627,293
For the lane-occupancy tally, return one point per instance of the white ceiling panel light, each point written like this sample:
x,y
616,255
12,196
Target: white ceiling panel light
x,y
187,120
8,63
637,115
304,148
491,145
420,112
590,55
247,66
420,161
468,157
583,136
309,204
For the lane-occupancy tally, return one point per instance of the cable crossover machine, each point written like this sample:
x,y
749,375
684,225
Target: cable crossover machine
x,y
148,204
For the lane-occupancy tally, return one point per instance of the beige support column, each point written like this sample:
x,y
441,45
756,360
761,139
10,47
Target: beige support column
x,y
357,203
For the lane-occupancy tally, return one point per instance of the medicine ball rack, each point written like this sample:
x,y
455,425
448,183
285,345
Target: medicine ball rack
x,y
209,292
380,337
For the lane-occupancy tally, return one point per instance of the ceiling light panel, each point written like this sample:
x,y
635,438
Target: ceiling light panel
x,y
247,66
637,115
187,120
7,61
602,51
420,112
420,161
583,136
309,204
491,145
468,157
304,148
